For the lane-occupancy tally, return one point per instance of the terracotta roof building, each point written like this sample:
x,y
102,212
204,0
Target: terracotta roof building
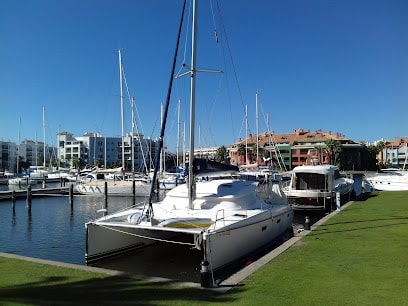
x,y
301,147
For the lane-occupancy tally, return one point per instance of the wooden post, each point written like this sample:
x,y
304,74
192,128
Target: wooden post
x,y
71,195
29,196
13,198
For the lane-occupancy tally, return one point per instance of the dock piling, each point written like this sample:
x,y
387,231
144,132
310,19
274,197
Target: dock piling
x,y
71,195
13,198
29,196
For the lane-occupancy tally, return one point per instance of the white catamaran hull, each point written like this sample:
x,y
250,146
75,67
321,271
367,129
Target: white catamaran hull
x,y
223,235
228,245
221,246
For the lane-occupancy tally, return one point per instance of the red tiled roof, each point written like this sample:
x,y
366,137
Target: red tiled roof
x,y
298,136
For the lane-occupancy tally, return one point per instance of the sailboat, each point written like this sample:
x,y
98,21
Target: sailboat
x,y
223,219
18,180
114,179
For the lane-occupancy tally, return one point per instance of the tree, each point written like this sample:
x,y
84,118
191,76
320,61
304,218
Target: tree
x,y
41,158
75,162
99,162
54,162
320,150
241,150
372,158
221,154
335,149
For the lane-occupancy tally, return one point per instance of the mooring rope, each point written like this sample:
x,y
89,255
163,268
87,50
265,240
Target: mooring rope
x,y
146,237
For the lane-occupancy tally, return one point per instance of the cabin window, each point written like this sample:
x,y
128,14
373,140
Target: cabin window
x,y
305,181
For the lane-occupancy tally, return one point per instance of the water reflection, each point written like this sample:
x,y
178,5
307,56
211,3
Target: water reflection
x,y
51,228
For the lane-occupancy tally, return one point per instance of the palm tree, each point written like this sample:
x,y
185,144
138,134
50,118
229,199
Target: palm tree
x,y
335,149
241,150
379,152
221,154
320,149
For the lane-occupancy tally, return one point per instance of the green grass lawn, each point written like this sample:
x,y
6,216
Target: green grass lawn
x,y
357,257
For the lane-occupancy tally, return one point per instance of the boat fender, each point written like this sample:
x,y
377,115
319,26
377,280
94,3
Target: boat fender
x,y
198,239
134,218
205,274
307,223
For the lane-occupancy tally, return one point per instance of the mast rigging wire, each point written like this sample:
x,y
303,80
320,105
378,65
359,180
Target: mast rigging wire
x,y
166,109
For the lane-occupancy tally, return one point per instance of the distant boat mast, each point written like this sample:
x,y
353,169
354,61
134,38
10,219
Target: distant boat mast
x,y
122,108
44,135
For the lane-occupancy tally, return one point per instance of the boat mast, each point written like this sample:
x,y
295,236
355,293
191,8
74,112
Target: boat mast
x,y
184,144
191,180
44,135
178,136
149,211
246,138
161,169
122,109
105,154
257,128
132,138
18,145
36,149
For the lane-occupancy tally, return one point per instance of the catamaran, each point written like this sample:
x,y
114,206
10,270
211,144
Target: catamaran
x,y
223,219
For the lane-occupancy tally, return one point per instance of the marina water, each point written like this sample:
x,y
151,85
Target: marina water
x,y
51,229
54,230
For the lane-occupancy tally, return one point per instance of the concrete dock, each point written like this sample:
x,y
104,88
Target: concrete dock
x,y
9,195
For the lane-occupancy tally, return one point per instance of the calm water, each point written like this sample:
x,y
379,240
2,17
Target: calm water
x,y
51,229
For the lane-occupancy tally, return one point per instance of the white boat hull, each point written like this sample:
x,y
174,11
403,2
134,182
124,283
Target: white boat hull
x,y
389,182
21,181
316,187
221,246
228,245
223,234
316,199
120,188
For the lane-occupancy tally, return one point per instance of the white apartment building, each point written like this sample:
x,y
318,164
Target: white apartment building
x,y
95,149
8,156
32,152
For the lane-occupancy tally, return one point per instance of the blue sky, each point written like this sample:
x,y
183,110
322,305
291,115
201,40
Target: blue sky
x,y
339,66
